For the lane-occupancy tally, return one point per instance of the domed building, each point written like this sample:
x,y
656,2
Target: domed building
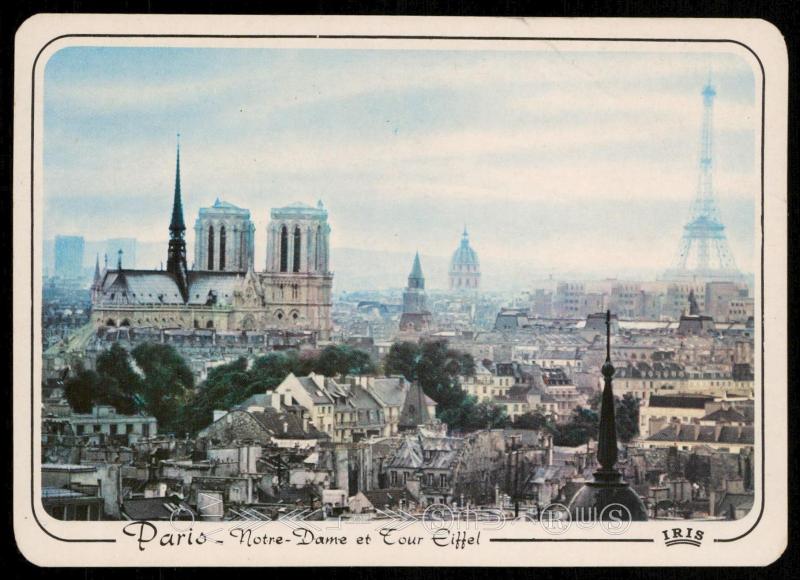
x,y
465,268
608,497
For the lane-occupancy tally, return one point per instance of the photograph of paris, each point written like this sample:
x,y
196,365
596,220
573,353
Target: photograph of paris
x,y
347,282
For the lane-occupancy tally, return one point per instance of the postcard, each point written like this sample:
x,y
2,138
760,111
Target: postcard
x,y
384,291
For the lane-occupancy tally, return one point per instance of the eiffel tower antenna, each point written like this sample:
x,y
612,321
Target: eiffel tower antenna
x,y
704,253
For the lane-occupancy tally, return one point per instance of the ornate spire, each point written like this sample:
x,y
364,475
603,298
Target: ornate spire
x,y
176,252
607,435
416,269
608,497
96,269
119,259
177,224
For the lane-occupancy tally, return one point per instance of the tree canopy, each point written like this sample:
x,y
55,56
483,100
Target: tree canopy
x,y
437,368
230,384
152,379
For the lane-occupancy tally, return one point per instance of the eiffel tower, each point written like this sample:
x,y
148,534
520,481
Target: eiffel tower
x,y
704,254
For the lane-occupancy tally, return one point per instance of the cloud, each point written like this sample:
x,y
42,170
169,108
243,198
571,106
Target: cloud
x,y
401,145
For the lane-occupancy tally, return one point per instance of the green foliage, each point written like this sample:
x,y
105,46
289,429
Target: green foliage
x,y
626,413
341,361
167,382
229,385
82,390
470,415
534,421
437,368
582,426
402,360
119,382
161,392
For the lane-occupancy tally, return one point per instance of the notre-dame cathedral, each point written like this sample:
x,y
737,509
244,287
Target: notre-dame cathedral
x,y
223,291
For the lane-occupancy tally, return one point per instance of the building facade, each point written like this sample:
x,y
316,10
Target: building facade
x,y
416,316
293,294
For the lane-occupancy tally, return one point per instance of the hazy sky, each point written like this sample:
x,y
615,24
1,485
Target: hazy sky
x,y
556,161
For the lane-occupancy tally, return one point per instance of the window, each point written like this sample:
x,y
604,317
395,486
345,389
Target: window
x,y
222,248
394,478
210,247
284,250
318,251
297,246
79,429
113,428
442,480
96,428
129,428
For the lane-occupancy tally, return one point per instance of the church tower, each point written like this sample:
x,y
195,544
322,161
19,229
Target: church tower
x,y
416,316
608,497
176,253
298,281
224,238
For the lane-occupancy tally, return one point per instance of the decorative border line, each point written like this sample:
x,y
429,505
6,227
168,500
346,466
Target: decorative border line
x,y
406,37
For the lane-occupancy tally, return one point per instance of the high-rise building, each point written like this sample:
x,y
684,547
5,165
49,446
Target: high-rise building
x,y
69,256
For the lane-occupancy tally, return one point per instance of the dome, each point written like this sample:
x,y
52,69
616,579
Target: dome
x,y
607,498
464,258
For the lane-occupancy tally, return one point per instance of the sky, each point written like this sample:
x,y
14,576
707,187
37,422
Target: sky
x,y
559,162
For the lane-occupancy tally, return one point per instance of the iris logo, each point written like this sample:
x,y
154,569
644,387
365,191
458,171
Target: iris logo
x,y
687,536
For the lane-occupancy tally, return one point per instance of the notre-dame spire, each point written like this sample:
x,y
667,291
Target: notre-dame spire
x,y
177,225
176,253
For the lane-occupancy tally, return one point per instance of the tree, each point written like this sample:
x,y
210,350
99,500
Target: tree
x,y
535,421
437,369
167,383
402,360
582,426
120,384
359,363
627,416
332,361
82,390
343,360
